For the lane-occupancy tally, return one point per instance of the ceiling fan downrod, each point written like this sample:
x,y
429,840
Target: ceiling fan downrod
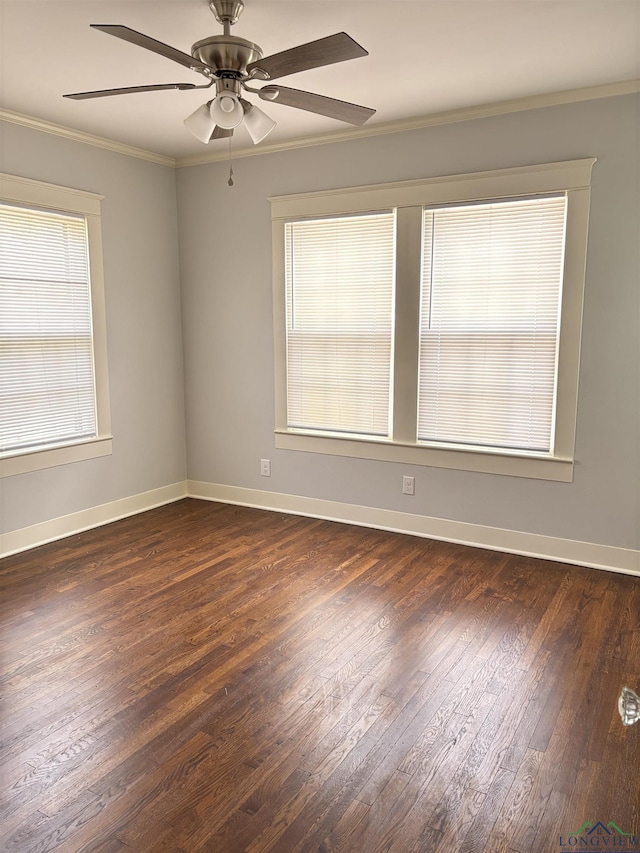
x,y
226,12
226,55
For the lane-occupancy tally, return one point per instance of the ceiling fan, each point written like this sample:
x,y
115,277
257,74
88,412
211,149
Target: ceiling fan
x,y
232,63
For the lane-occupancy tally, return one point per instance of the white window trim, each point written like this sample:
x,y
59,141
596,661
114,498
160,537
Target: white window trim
x,y
408,197
38,194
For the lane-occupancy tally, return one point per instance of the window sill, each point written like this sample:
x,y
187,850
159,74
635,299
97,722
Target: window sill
x,y
513,464
23,462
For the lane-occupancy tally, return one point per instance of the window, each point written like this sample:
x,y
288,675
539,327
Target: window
x,y
339,292
434,322
53,394
491,284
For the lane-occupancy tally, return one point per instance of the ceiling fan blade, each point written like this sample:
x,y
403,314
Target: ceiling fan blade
x,y
221,132
103,93
133,36
314,54
341,110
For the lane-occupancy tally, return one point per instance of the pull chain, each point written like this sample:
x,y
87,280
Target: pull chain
x,y
230,181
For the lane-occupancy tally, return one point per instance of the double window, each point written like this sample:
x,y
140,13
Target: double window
x,y
440,327
53,383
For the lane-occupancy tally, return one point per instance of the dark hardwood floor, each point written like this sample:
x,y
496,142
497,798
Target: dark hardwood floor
x,y
204,677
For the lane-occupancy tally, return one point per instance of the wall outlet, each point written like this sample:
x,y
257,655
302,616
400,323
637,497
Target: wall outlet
x,y
265,467
408,485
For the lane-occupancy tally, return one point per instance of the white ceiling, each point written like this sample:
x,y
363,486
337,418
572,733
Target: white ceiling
x,y
426,56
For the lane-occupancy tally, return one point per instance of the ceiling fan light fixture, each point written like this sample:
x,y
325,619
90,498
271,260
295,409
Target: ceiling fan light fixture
x,y
200,123
226,110
257,122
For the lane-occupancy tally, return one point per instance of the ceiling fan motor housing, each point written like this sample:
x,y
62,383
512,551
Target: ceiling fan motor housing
x,y
227,53
228,85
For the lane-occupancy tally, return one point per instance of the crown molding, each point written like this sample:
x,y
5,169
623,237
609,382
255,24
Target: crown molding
x,y
87,138
532,102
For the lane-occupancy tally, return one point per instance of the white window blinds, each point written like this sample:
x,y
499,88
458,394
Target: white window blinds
x,y
47,388
491,286
339,278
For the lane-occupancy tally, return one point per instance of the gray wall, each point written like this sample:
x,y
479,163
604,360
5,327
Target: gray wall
x,y
224,282
227,317
144,335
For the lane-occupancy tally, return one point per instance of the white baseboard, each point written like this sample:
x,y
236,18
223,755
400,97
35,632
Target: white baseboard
x,y
611,558
67,525
608,557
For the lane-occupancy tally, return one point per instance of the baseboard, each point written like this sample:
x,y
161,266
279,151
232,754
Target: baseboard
x,y
608,557
67,525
